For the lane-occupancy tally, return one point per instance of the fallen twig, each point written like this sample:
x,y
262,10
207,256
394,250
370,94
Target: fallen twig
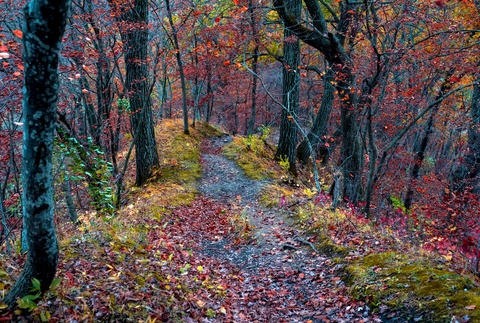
x,y
308,243
287,246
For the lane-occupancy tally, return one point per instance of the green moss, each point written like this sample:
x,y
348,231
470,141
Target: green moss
x,y
180,162
252,155
205,130
417,285
328,247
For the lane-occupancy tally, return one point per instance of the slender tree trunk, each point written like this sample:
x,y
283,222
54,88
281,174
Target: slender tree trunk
x,y
467,175
420,151
178,55
44,26
320,124
253,109
134,34
67,191
291,91
209,103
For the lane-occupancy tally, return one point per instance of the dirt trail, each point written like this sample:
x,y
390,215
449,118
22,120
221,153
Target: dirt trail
x,y
282,279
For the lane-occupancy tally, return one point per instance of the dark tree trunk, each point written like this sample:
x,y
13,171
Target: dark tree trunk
x,y
44,26
253,109
421,149
287,144
135,38
331,46
319,127
178,55
467,174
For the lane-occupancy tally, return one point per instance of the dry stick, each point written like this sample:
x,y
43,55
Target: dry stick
x,y
305,242
122,174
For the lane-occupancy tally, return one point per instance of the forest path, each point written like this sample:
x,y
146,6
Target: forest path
x,y
280,279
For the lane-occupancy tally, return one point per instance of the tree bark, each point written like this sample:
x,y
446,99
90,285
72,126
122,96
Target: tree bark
x,y
256,54
467,175
178,55
331,46
319,127
287,144
420,151
134,32
45,22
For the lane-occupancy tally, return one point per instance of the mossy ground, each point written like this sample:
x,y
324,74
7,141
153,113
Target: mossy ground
x,y
104,258
174,183
424,290
254,156
415,284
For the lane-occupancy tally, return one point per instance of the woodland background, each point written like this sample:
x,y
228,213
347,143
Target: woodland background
x,y
391,103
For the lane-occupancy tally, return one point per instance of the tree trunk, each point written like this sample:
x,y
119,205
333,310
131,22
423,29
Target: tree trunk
x,y
253,109
319,127
44,26
420,151
287,143
467,175
135,38
331,46
178,55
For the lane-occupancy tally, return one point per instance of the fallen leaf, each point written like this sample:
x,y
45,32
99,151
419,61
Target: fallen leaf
x,y
18,33
470,307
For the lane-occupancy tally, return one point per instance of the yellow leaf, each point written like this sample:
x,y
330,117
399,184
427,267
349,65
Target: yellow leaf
x,y
222,310
447,257
200,269
200,303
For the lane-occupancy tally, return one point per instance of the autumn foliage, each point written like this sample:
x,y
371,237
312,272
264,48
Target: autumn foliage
x,y
412,97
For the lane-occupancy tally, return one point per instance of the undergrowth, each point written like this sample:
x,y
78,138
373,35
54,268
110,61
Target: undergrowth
x,y
379,266
254,156
174,183
134,266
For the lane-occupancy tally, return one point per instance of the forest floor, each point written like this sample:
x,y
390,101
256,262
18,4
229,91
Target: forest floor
x,y
198,244
281,277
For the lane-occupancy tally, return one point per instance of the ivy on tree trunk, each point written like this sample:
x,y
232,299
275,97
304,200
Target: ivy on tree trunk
x,y
43,29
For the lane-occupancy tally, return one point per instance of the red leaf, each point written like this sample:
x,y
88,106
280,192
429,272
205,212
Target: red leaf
x,y
18,33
